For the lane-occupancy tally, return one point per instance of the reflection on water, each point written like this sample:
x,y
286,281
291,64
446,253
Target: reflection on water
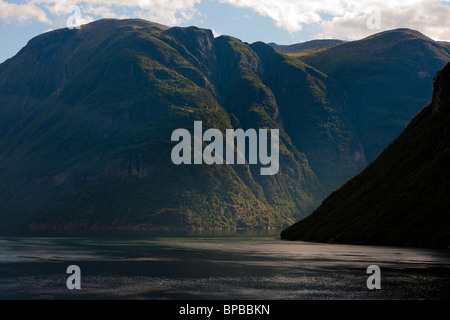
x,y
214,265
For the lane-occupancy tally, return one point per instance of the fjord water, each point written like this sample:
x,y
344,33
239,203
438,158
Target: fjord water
x,y
214,265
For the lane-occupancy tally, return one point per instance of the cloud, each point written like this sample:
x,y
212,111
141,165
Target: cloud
x,y
429,17
21,12
168,12
348,18
345,19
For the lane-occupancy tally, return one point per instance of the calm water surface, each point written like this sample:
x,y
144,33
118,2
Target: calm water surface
x,y
219,265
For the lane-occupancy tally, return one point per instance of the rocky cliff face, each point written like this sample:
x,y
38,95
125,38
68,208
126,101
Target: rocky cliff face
x,y
441,94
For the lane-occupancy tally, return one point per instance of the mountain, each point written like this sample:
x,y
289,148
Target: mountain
x,y
402,197
87,117
311,45
311,105
445,44
386,80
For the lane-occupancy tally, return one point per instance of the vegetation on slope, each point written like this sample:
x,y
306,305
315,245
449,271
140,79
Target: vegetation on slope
x,y
401,198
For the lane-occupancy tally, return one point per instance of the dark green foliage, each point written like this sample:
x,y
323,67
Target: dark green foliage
x,y
402,197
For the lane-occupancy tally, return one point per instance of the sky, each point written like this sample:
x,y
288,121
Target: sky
x,y
279,21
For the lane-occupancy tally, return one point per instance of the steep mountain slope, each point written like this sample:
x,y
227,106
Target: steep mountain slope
x,y
402,197
86,122
311,105
306,46
386,78
445,44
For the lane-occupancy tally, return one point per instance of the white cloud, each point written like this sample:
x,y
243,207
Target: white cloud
x,y
349,17
168,12
430,17
21,12
335,18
